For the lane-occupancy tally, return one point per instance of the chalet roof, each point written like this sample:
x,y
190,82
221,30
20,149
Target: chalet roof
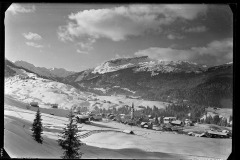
x,y
82,116
168,117
190,133
128,131
177,122
143,123
217,133
33,102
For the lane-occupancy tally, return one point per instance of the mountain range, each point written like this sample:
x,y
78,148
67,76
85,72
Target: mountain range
x,y
141,77
52,72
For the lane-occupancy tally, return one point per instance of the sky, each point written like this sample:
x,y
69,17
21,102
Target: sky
x,y
81,36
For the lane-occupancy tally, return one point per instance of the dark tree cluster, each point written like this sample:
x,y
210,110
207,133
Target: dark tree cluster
x,y
216,120
70,141
37,128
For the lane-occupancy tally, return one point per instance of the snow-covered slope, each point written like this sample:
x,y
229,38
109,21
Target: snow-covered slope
x,y
28,87
145,144
120,63
60,72
52,72
170,66
146,64
221,67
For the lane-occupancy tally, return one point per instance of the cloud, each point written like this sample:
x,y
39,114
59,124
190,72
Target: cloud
x,y
117,56
64,34
32,44
174,36
196,29
82,52
214,53
17,8
32,36
85,45
120,22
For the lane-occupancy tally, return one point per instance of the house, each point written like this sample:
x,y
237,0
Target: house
x,y
54,105
34,104
190,133
122,116
176,123
146,125
128,131
214,134
225,131
167,127
97,117
150,116
22,77
203,135
111,116
82,118
143,123
169,119
188,122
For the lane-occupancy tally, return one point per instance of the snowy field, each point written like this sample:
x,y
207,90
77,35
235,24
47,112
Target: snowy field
x,y
106,139
148,143
43,91
47,92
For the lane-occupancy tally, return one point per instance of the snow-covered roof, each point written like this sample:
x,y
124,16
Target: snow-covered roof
x,y
217,133
169,118
143,123
82,116
176,122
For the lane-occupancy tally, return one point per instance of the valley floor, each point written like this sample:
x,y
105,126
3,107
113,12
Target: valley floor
x,y
145,144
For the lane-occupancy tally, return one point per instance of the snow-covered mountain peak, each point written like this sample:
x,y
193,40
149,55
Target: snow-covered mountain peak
x,y
229,63
120,63
52,72
170,66
23,64
146,64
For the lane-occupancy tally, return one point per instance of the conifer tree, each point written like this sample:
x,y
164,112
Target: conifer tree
x,y
225,122
216,119
70,141
208,119
156,120
37,127
230,118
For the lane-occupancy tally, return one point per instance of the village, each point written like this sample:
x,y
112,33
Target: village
x,y
118,81
162,124
170,124
150,126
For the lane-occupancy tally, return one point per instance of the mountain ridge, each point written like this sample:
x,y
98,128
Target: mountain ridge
x,y
146,64
168,81
183,81
52,72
